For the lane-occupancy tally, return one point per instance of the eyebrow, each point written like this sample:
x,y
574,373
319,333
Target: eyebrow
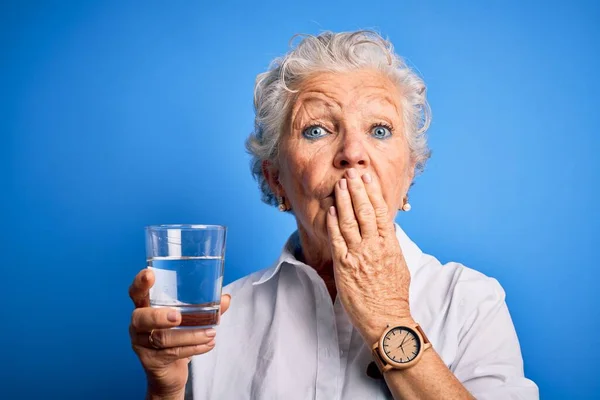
x,y
319,99
324,99
330,104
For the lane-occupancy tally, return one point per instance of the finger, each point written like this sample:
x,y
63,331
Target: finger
x,y
345,214
225,302
152,358
177,353
336,240
139,291
363,209
147,318
167,338
385,225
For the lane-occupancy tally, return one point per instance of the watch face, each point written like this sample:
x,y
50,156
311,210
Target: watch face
x,y
401,344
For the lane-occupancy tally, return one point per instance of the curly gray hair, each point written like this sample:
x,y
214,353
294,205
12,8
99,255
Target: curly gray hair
x,y
331,52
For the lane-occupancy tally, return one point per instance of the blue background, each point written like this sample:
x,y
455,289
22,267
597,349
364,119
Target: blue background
x,y
115,115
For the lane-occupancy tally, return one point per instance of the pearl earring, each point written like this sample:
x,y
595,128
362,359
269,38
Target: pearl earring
x,y
281,202
406,206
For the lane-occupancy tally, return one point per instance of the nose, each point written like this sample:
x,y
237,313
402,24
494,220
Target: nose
x,y
351,153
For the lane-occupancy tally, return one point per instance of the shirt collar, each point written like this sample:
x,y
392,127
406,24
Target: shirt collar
x,y
410,250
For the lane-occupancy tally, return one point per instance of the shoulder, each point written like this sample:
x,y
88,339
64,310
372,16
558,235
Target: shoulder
x,y
455,286
450,300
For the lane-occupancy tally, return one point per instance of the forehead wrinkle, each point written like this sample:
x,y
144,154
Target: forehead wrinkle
x,y
381,96
305,114
384,111
316,101
313,106
329,100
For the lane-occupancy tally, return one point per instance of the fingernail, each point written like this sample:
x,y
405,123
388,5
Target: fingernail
x,y
211,343
367,178
351,173
210,332
332,210
173,316
343,184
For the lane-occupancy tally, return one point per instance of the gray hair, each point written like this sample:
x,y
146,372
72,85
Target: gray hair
x,y
331,52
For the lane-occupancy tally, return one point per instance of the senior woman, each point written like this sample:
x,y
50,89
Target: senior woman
x,y
352,308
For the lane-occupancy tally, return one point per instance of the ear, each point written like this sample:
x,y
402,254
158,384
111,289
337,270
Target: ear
x,y
411,173
411,176
271,174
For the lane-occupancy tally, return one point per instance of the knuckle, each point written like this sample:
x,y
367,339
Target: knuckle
x,y
155,317
381,211
338,241
365,210
161,338
349,224
135,318
172,352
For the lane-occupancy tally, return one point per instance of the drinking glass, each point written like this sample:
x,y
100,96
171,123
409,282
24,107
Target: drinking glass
x,y
187,261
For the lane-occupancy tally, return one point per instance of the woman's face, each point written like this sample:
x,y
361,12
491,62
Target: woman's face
x,y
337,122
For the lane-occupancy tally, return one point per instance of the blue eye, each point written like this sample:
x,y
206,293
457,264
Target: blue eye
x,y
314,132
381,132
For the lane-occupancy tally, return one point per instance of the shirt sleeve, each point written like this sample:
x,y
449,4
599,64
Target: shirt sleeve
x,y
489,361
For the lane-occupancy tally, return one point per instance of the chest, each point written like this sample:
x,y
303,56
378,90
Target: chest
x,y
295,343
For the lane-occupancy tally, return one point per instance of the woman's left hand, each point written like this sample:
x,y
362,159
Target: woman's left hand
x,y
371,275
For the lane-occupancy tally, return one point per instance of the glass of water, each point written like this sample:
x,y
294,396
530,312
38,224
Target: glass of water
x,y
187,261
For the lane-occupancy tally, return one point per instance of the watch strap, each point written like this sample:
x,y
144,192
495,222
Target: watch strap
x,y
426,342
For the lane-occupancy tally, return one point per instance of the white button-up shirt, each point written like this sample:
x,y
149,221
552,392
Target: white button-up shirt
x,y
283,337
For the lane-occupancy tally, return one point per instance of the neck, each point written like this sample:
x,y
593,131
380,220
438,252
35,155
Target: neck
x,y
317,254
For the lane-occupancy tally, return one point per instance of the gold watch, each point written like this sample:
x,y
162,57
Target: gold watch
x,y
400,347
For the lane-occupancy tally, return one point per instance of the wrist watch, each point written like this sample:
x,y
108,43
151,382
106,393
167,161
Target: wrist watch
x,y
400,347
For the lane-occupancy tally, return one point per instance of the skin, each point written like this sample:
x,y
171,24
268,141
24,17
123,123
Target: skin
x,y
167,367
345,186
349,238
347,106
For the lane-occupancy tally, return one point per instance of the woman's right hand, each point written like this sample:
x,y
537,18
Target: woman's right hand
x,y
166,359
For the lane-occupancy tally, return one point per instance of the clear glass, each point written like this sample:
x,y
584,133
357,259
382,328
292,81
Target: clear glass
x,y
187,261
